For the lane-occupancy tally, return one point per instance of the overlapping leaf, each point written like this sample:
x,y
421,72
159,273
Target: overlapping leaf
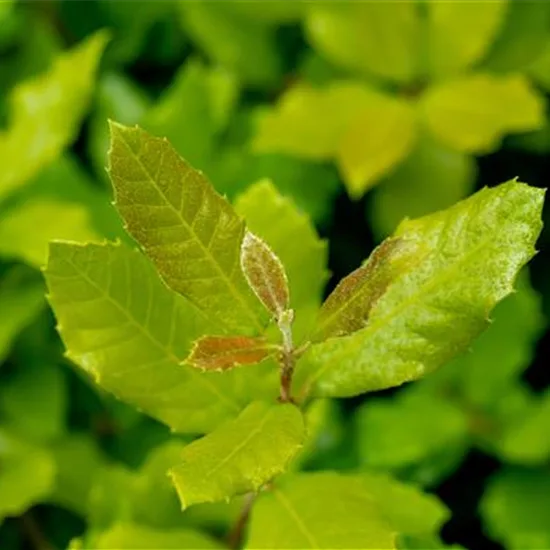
x,y
190,232
434,311
130,333
318,510
241,455
292,237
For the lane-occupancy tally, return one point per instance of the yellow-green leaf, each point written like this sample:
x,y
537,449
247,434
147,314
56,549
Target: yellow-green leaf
x,y
318,510
241,455
473,113
450,49
434,310
372,38
46,112
123,326
191,233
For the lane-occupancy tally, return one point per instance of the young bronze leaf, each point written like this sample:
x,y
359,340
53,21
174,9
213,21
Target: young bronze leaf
x,y
265,274
347,308
225,352
189,231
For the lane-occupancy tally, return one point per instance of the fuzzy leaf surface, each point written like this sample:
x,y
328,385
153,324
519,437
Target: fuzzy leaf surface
x,y
318,510
192,234
220,353
122,325
292,236
347,308
432,312
241,455
265,274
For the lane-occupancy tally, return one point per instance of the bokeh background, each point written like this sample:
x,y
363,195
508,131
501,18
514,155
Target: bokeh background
x,y
363,113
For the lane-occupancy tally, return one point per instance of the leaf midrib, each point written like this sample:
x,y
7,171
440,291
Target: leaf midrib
x,y
206,251
166,351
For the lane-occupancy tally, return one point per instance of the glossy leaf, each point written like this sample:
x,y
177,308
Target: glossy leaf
x,y
265,274
130,333
473,252
290,234
127,536
220,353
46,112
318,510
21,298
450,49
515,508
474,113
241,455
347,308
431,178
190,232
56,220
371,38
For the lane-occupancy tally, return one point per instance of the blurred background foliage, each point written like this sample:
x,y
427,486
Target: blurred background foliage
x,y
363,113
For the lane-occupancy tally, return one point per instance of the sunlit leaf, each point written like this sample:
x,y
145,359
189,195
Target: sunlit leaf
x,y
241,455
318,510
190,232
46,112
473,113
433,311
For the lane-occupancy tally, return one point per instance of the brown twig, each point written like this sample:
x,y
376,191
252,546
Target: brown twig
x,y
32,532
236,534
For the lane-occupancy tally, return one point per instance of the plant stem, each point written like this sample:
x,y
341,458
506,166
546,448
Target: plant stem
x,y
31,531
236,534
287,359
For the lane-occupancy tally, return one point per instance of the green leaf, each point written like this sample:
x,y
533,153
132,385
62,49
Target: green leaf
x,y
127,536
220,353
21,298
241,455
432,312
431,178
366,132
78,461
474,113
26,477
190,232
450,49
294,240
516,508
407,431
46,112
53,220
526,440
504,350
34,402
131,334
409,510
539,69
194,110
234,41
371,38
318,510
265,274
521,38
347,308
